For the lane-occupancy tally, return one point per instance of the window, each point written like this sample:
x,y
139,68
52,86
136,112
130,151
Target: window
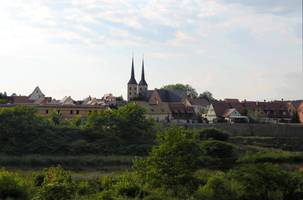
x,y
58,111
46,111
71,112
89,111
77,112
130,93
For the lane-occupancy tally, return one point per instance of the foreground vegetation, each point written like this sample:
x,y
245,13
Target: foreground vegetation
x,y
124,131
180,166
176,163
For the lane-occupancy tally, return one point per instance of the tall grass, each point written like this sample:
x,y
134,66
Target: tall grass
x,y
69,162
273,156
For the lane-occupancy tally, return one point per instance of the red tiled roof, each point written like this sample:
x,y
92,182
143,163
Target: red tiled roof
x,y
199,102
21,100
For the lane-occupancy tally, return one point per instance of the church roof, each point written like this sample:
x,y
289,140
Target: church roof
x,y
142,81
169,95
132,78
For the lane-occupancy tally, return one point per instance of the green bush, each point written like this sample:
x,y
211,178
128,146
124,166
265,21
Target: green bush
x,y
12,186
57,185
218,187
172,163
212,133
217,154
266,181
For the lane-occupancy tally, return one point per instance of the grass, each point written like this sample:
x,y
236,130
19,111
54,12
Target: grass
x,y
284,143
273,156
69,162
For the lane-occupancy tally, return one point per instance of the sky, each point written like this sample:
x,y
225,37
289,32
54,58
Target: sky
x,y
246,49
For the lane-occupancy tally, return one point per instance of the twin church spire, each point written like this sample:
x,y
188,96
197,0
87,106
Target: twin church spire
x,y
135,90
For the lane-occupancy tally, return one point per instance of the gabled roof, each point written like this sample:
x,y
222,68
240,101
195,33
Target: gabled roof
x,y
67,101
220,107
229,100
229,111
161,108
21,100
199,102
296,103
180,108
36,94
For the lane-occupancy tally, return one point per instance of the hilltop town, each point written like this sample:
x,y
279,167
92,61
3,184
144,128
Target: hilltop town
x,y
165,105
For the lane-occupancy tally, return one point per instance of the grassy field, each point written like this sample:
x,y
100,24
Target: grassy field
x,y
87,163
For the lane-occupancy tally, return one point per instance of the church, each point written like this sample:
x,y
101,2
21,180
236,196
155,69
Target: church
x,y
160,104
135,90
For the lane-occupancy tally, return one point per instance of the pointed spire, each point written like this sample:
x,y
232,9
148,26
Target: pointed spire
x,y
143,82
132,77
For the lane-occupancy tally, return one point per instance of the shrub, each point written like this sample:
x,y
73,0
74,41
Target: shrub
x,y
12,186
265,181
212,133
172,163
57,185
218,154
218,187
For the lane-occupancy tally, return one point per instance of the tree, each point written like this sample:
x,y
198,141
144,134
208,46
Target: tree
x,y
55,118
12,186
187,89
172,163
207,95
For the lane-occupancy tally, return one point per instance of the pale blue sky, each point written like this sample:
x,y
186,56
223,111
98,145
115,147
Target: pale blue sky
x,y
234,48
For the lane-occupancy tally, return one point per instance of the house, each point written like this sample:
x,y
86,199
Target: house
x,y
200,105
159,112
222,111
300,112
36,94
182,113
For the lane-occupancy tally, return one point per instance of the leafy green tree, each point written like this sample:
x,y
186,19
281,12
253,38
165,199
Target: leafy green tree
x,y
56,118
172,163
77,121
207,95
217,154
261,182
128,123
187,89
12,186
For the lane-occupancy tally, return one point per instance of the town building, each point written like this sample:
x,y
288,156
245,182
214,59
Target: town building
x,y
160,104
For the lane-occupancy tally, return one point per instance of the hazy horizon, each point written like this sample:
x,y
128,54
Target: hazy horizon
x,y
246,49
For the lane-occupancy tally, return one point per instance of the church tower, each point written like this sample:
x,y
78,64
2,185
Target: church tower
x,y
132,86
142,87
